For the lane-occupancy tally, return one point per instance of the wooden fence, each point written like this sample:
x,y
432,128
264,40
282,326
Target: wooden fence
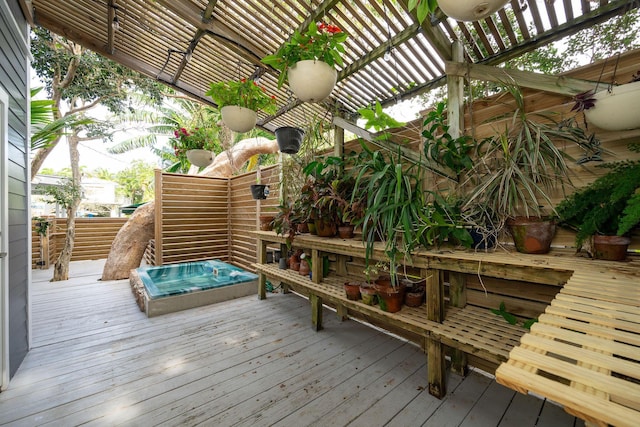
x,y
93,240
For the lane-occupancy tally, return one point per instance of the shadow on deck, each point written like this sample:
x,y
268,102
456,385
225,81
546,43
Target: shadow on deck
x,y
97,359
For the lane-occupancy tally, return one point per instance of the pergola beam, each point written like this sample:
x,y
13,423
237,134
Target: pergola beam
x,y
434,34
555,84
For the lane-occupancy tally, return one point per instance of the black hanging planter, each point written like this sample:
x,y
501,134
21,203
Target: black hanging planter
x,y
289,139
259,191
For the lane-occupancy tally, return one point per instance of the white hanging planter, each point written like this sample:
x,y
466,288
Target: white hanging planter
x,y
200,158
312,81
470,10
239,119
616,110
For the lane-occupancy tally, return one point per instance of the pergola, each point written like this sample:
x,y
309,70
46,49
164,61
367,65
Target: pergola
x,y
189,44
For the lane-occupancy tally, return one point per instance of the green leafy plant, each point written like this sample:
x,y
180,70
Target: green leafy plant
x,y
510,318
378,120
244,93
321,42
456,154
41,225
423,8
610,205
197,139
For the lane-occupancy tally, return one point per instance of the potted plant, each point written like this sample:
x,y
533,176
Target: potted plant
x,y
516,174
239,102
607,209
307,61
194,146
323,175
460,10
611,109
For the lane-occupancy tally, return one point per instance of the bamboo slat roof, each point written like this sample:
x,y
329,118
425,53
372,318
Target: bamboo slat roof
x,y
227,38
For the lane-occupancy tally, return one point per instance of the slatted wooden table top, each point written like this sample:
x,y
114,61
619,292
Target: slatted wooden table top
x,y
584,352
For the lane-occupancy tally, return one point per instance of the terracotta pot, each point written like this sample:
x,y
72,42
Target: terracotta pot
x,y
345,231
470,10
352,289
303,228
266,222
532,235
616,110
294,265
368,294
238,119
325,228
200,158
304,268
311,80
414,298
390,298
611,248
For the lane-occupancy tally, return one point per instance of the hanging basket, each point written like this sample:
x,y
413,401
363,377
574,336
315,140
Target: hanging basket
x,y
289,139
259,191
239,119
312,81
616,110
200,158
470,10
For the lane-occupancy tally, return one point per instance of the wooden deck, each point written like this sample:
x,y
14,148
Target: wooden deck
x,y
98,360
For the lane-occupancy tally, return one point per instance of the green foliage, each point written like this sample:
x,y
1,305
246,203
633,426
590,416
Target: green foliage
x,y
378,120
65,194
521,165
41,225
510,318
136,182
96,77
610,205
321,42
442,148
244,93
423,8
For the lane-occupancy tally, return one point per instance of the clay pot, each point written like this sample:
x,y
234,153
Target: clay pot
x,y
303,228
352,289
368,294
611,248
345,231
532,235
304,268
390,298
415,298
325,228
266,222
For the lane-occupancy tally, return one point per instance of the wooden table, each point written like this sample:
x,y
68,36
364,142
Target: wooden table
x,y
584,353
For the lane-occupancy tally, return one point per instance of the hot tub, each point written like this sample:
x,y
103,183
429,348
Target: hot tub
x,y
174,287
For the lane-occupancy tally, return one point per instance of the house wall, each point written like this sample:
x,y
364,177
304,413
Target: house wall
x,y
14,79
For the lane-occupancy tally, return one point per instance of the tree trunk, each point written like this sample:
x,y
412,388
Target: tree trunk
x,y
129,244
61,268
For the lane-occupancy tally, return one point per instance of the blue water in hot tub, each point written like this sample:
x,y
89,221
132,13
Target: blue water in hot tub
x,y
174,279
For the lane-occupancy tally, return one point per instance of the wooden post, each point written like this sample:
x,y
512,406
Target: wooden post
x,y
158,216
338,148
316,266
458,298
436,368
261,259
44,247
455,117
342,312
284,254
316,312
341,265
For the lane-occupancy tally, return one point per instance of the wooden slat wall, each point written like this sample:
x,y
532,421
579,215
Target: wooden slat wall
x,y
191,218
244,212
93,238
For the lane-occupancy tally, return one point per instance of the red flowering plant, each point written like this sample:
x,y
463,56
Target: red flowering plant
x,y
321,42
197,139
244,93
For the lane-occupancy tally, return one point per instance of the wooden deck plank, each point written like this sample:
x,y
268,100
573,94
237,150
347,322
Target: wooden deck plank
x,y
98,360
496,399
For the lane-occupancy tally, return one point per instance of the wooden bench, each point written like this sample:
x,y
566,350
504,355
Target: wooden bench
x,y
584,353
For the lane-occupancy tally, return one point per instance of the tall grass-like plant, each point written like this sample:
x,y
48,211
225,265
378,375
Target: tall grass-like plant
x,y
522,165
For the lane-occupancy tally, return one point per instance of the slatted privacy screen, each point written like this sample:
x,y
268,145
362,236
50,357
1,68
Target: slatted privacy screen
x,y
244,212
192,219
